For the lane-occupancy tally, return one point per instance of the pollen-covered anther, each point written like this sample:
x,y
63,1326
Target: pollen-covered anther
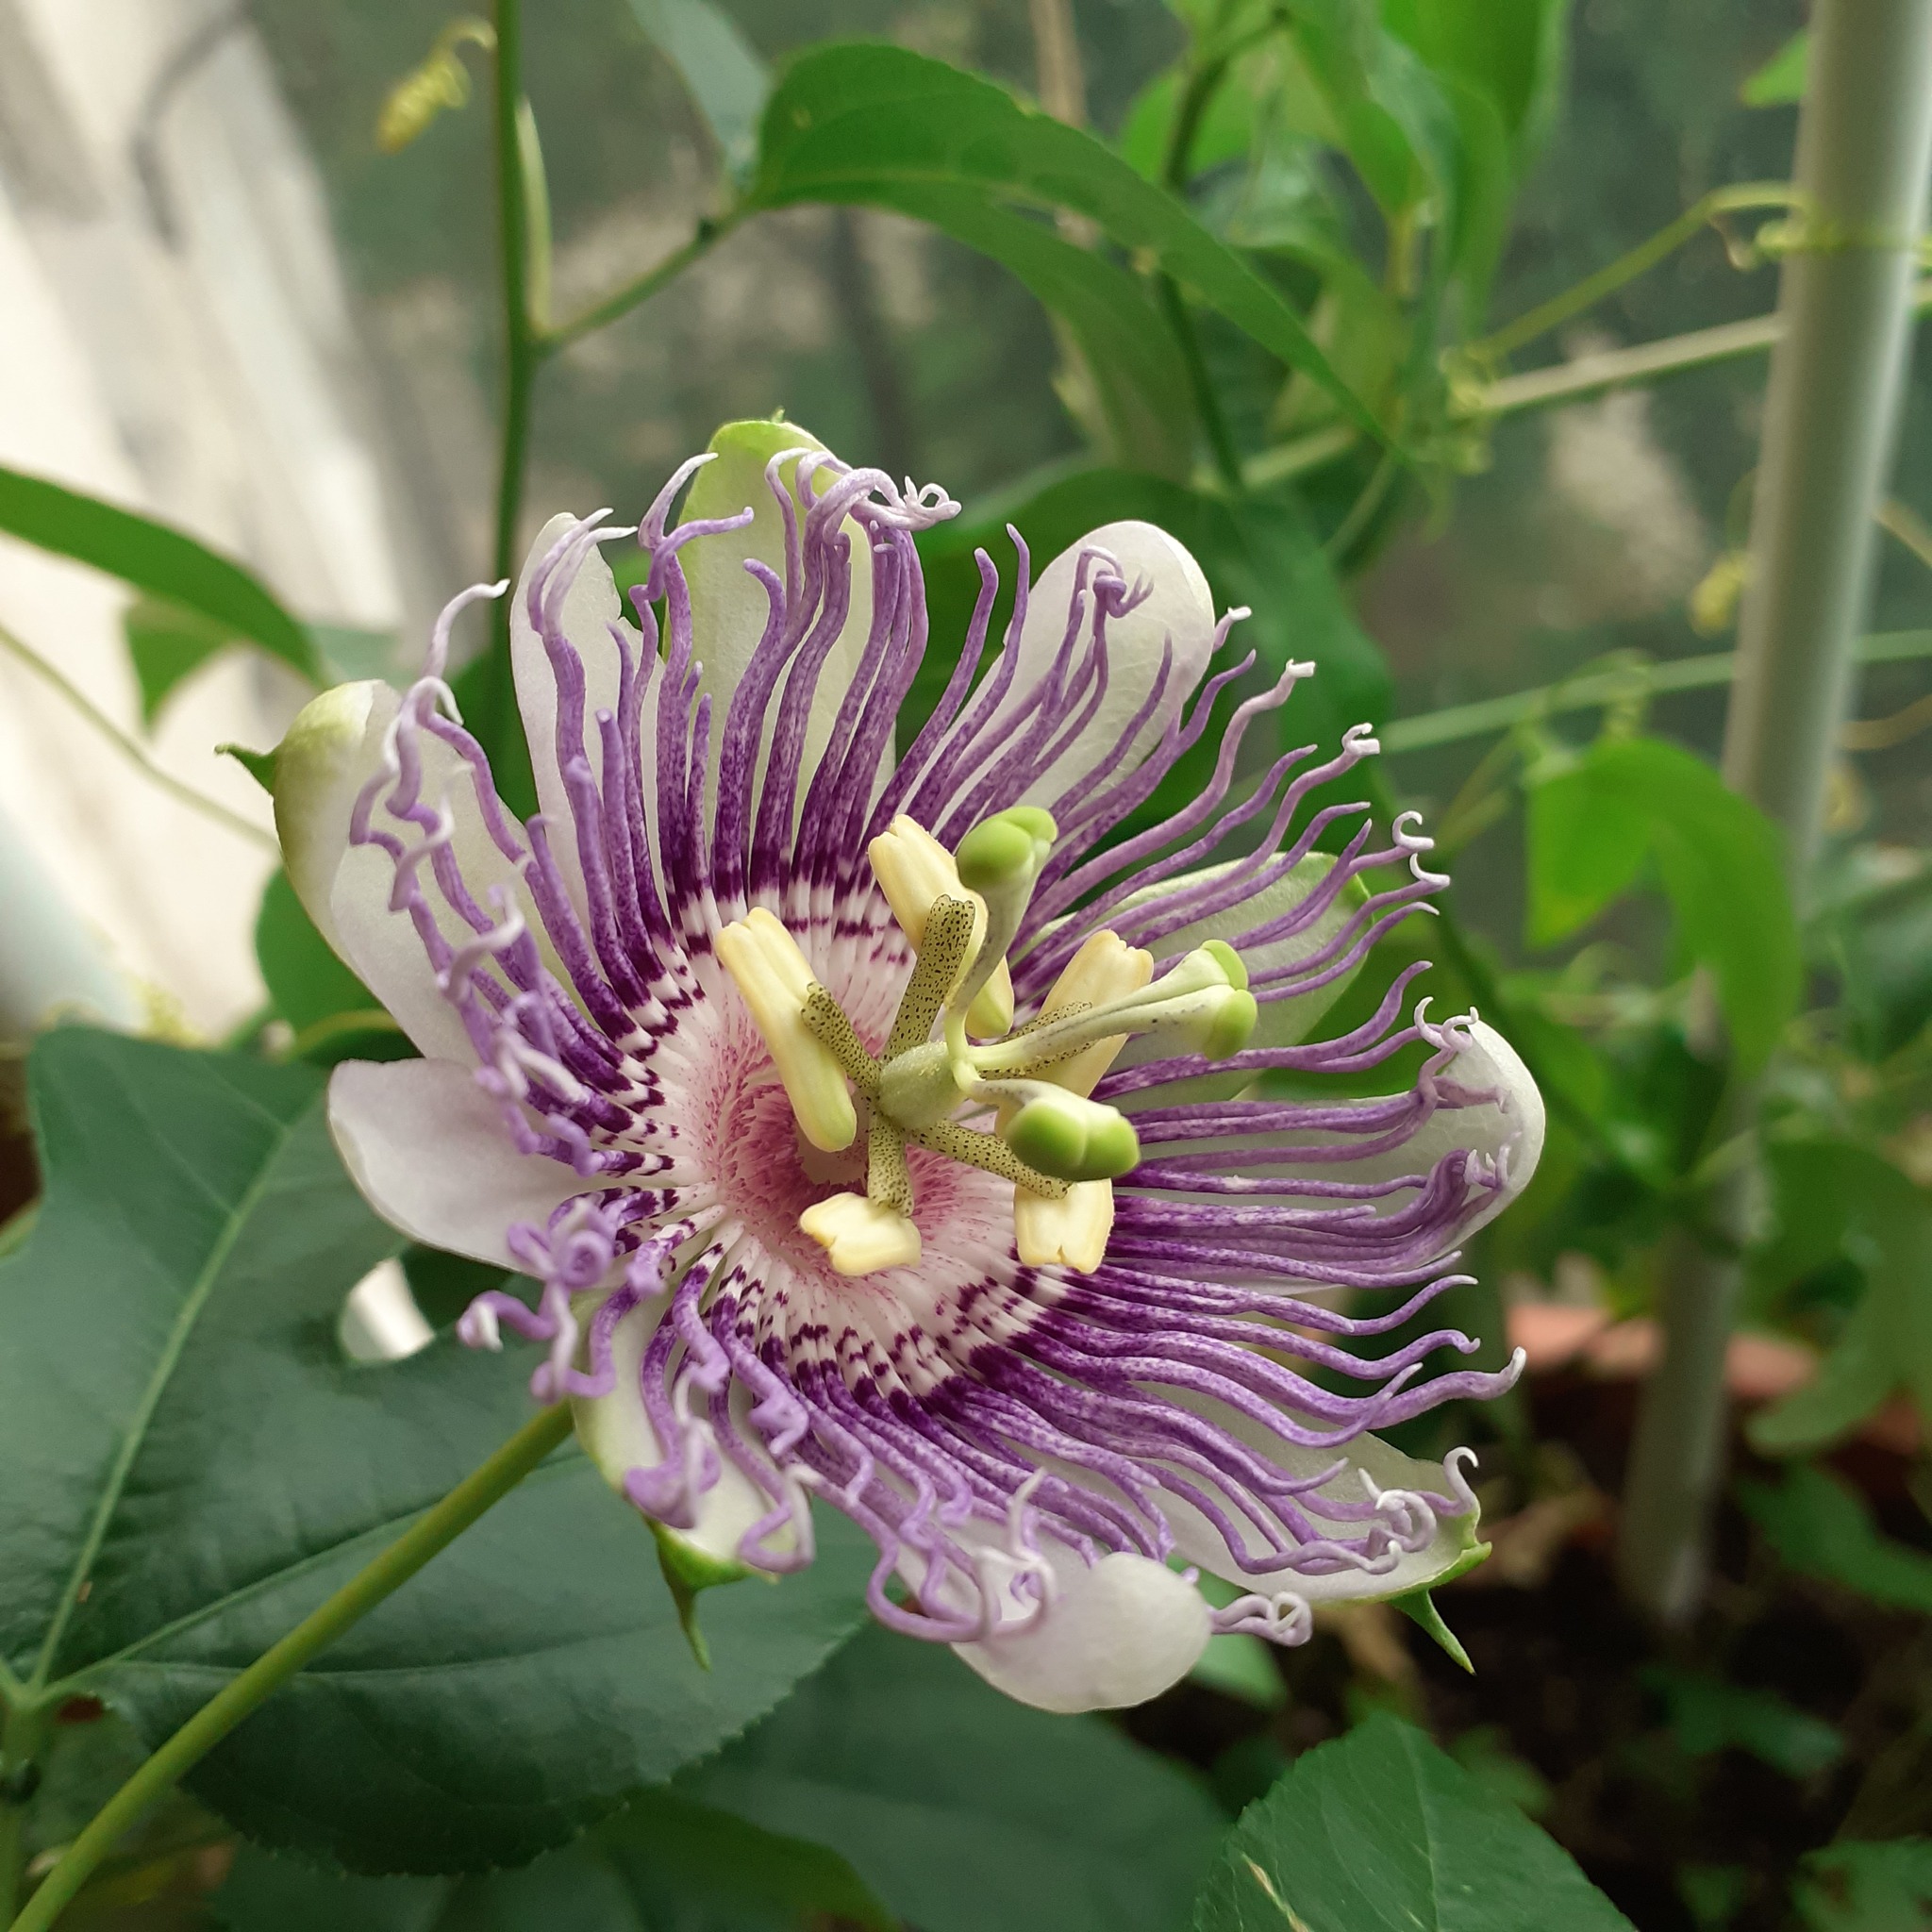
x,y
776,979
915,872
862,1235
1067,1232
1104,969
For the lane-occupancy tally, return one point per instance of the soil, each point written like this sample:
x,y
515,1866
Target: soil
x,y
1564,1710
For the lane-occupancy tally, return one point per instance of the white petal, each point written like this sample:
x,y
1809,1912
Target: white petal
x,y
1505,1133
1447,1552
332,750
728,605
1179,609
589,608
1508,1129
430,1152
618,1437
1116,1634
321,765
1282,1023
381,1321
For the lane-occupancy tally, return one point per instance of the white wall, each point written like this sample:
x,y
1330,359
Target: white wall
x,y
178,341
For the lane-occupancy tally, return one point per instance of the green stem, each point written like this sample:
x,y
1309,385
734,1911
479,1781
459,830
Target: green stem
x,y
12,1853
21,1739
130,748
520,351
1831,410
1227,459
1575,381
1608,369
1592,688
486,1485
622,301
1587,294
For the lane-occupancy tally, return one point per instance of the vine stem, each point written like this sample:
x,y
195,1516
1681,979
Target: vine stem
x,y
1614,684
478,1491
1735,199
131,748
522,352
22,1738
1831,412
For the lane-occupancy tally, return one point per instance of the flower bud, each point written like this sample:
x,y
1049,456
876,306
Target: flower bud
x,y
775,978
862,1235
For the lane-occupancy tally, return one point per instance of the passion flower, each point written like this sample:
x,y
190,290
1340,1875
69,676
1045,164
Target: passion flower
x,y
881,1128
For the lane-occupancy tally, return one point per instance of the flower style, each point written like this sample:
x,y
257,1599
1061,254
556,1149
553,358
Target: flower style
x,y
876,1130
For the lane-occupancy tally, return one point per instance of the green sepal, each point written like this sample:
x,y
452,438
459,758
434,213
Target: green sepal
x,y
260,765
687,1571
1419,1606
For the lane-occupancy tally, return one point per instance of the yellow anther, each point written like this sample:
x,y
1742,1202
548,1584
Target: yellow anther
x,y
914,871
776,979
862,1235
991,1015
1105,969
1070,1232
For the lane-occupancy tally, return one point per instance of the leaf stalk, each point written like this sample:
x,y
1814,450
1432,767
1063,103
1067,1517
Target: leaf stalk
x,y
440,1525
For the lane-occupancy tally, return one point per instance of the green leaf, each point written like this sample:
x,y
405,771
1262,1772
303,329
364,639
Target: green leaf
x,y
307,982
858,123
156,558
166,641
1822,1527
1717,857
1781,79
1867,1888
1512,50
1241,1668
663,1865
1587,844
1708,1715
1380,1832
720,68
194,1465
1880,941
1838,1197
266,1893
1855,1379
964,1810
1131,351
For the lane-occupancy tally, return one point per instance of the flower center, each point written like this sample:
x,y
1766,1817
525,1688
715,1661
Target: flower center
x,y
955,1075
